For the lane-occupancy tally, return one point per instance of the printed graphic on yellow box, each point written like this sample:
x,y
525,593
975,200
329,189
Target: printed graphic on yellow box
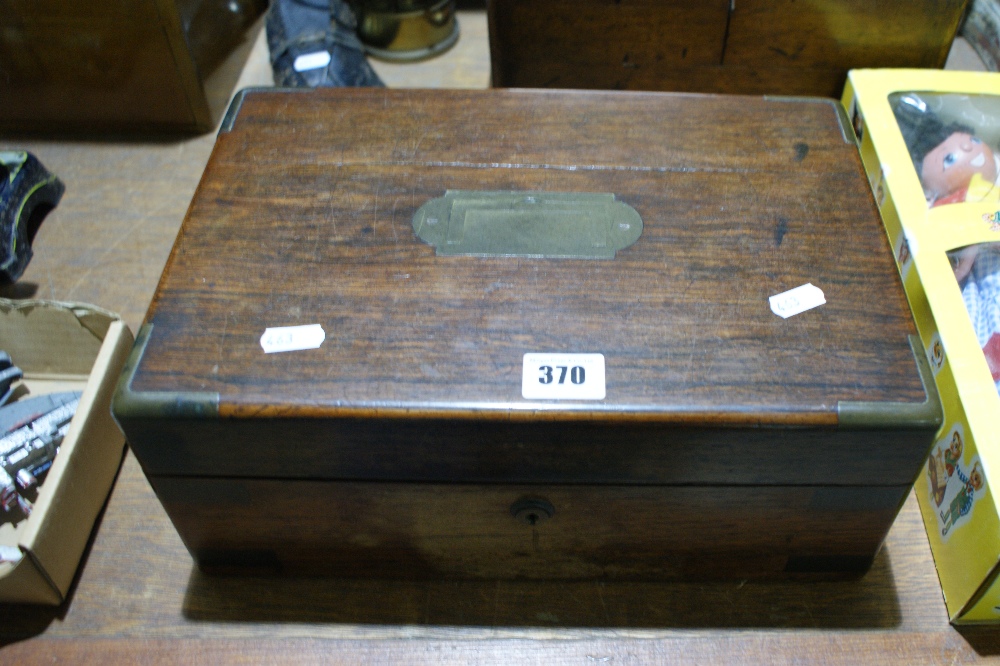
x,y
952,489
930,144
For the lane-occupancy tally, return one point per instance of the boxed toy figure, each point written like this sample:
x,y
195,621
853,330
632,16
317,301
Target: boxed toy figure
x,y
929,143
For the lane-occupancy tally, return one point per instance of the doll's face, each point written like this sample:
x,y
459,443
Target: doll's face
x,y
963,260
951,165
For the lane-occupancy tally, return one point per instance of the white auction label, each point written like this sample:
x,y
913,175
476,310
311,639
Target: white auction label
x,y
307,61
292,338
797,300
563,377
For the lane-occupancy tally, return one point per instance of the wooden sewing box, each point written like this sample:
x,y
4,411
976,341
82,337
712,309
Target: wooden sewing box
x,y
438,239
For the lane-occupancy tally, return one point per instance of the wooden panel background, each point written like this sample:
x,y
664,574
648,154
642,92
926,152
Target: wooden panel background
x,y
757,47
121,66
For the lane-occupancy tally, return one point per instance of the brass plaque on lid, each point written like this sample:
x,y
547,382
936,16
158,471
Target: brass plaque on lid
x,y
572,225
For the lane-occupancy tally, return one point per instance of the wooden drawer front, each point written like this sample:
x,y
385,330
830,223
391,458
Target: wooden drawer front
x,y
470,531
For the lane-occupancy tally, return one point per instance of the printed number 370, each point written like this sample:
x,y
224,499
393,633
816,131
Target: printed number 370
x,y
562,376
577,374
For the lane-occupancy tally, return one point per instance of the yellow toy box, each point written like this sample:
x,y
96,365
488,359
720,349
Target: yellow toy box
x,y
930,143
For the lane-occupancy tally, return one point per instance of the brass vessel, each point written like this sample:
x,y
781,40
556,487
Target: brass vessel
x,y
404,30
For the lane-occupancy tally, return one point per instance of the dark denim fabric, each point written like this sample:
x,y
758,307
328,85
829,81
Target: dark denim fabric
x,y
28,191
299,27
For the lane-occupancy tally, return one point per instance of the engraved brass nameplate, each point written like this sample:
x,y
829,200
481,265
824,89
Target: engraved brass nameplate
x,y
572,225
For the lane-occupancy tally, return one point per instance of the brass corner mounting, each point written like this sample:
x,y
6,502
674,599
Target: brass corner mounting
x,y
927,414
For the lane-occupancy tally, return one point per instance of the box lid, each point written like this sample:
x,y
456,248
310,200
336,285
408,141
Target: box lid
x,y
306,216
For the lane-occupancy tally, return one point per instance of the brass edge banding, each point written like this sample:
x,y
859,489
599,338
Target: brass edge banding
x,y
928,414
129,404
846,128
233,110
845,123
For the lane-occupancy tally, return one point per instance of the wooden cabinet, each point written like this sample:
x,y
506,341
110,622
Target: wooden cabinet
x,y
743,46
121,65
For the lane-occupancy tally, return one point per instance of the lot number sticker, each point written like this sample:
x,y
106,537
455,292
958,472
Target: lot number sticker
x,y
563,377
292,338
796,301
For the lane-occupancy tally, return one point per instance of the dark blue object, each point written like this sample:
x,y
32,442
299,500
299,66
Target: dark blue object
x,y
27,193
314,44
9,373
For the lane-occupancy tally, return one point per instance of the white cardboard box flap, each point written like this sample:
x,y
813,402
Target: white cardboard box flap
x,y
56,344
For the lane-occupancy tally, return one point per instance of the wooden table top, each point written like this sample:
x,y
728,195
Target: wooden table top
x,y
138,597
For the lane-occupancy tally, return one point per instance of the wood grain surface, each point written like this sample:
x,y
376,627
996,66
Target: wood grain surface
x,y
539,532
304,216
138,598
748,47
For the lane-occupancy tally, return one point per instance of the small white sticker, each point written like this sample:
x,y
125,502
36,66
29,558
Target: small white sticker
x,y
563,377
10,554
292,338
314,60
797,300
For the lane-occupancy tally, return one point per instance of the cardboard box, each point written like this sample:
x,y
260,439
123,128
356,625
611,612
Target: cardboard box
x,y
929,142
63,347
